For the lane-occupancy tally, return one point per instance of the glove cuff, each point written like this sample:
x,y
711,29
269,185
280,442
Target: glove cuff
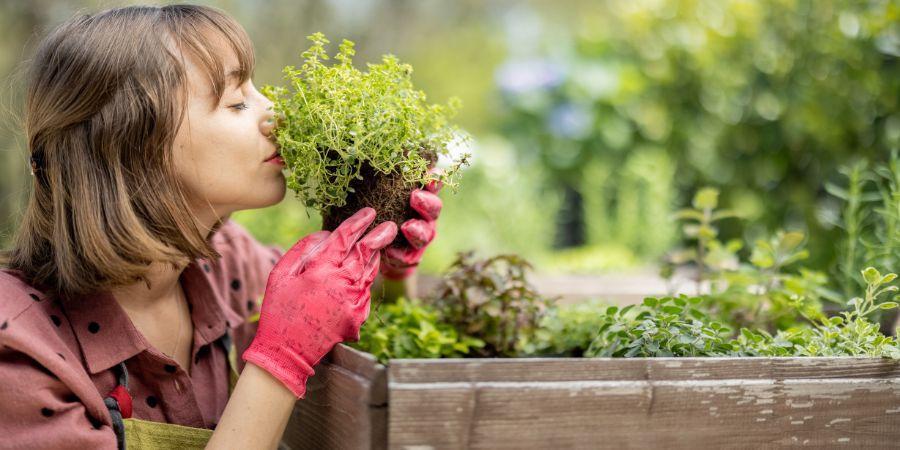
x,y
290,369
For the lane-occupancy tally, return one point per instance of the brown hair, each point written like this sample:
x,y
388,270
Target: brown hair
x,y
105,98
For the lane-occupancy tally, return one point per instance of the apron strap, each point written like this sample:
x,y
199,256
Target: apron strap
x,y
119,401
226,341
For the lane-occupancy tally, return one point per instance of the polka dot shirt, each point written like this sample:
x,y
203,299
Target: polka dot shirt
x,y
57,355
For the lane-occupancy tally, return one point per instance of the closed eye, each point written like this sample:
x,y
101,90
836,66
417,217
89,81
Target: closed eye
x,y
238,106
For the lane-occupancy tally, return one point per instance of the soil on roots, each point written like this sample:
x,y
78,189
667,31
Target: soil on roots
x,y
387,193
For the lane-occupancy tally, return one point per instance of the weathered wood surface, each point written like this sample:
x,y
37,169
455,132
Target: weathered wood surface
x,y
641,403
345,405
572,403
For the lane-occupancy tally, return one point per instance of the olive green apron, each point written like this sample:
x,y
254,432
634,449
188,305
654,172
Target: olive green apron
x,y
145,434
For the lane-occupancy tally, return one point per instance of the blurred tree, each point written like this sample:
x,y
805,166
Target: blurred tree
x,y
762,98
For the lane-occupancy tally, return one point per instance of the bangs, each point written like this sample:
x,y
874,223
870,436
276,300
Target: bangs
x,y
201,31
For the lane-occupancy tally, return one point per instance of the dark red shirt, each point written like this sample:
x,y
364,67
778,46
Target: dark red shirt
x,y
56,356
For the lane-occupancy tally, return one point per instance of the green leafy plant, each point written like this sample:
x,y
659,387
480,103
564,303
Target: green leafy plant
x,y
849,334
486,308
354,138
669,326
412,329
491,299
767,291
681,326
869,219
699,225
567,330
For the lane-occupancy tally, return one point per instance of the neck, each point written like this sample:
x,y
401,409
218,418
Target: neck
x,y
163,278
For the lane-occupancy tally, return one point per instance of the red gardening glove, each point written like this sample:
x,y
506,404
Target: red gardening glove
x,y
317,295
400,262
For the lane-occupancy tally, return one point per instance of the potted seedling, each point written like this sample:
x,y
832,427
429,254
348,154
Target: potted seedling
x,y
352,138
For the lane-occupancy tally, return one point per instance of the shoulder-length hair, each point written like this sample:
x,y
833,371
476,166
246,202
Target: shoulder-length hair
x,y
106,94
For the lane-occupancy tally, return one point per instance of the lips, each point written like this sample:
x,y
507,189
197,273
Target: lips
x,y
273,156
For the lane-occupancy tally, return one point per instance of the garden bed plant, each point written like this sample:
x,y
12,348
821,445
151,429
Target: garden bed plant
x,y
761,307
353,138
483,311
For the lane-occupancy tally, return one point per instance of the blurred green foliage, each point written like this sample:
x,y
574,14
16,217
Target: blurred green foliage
x,y
763,99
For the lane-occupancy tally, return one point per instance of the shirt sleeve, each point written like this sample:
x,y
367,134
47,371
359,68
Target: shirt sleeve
x,y
37,410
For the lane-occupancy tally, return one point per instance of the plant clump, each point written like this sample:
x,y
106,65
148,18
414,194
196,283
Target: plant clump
x,y
353,138
412,329
492,300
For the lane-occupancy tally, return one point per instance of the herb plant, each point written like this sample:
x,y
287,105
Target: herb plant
x,y
768,291
669,326
338,125
849,334
412,329
699,224
869,219
492,300
567,330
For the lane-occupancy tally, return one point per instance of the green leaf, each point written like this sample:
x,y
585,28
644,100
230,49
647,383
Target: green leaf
x,y
791,240
706,198
671,309
871,275
888,305
837,191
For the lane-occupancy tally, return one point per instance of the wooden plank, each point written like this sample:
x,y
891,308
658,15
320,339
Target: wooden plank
x,y
613,369
345,405
364,365
745,402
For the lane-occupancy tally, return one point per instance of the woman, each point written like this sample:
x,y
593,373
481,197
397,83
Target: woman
x,y
127,285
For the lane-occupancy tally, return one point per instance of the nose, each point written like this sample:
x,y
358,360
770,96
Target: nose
x,y
268,124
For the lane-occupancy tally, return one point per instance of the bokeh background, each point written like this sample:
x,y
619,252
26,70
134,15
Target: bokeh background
x,y
591,121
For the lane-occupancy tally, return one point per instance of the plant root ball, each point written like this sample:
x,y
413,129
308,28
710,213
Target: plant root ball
x,y
387,193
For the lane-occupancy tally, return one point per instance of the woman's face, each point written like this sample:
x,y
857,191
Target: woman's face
x,y
221,147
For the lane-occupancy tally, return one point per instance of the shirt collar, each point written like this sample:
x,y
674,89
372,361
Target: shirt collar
x,y
107,335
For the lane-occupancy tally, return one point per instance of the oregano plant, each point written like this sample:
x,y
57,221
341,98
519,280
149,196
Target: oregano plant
x,y
352,138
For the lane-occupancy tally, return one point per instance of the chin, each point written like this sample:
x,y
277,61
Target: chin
x,y
275,196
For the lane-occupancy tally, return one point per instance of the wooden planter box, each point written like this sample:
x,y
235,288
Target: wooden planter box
x,y
353,402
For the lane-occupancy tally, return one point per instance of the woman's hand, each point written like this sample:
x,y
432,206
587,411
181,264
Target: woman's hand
x,y
400,263
317,296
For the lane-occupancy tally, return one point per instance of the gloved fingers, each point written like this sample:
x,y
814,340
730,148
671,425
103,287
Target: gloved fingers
x,y
370,271
300,253
402,257
418,232
426,203
341,241
370,246
399,263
